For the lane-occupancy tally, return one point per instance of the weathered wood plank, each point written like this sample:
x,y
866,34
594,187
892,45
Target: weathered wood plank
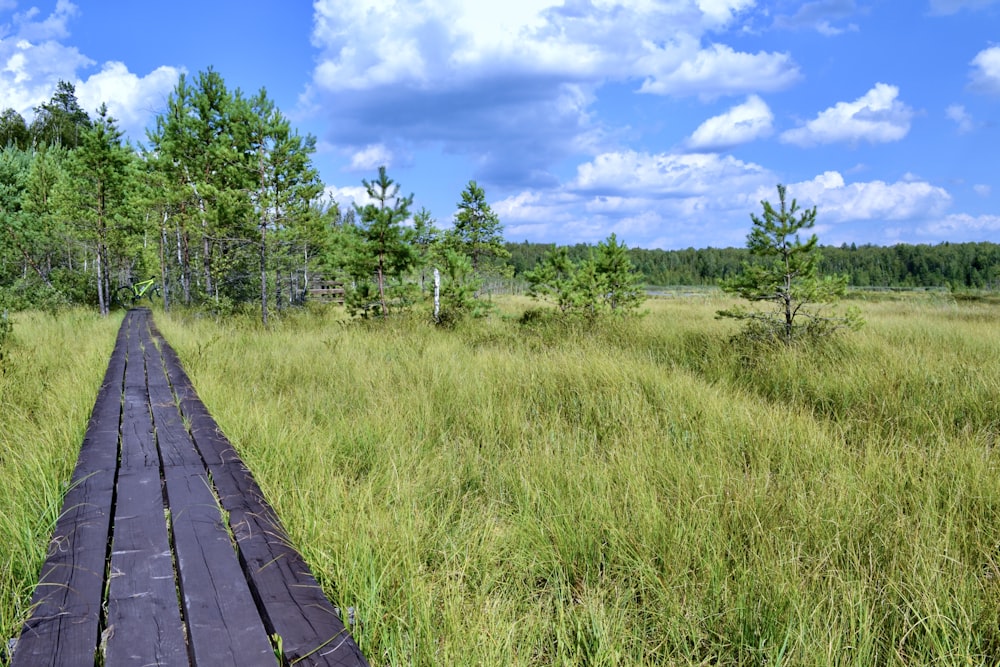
x,y
291,602
143,618
65,621
144,621
223,624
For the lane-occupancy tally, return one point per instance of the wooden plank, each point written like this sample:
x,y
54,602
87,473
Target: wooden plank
x,y
143,618
66,606
223,624
144,621
291,602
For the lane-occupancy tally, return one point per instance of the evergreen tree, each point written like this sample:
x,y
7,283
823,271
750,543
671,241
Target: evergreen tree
x,y
382,248
13,130
94,194
477,232
787,276
61,121
622,291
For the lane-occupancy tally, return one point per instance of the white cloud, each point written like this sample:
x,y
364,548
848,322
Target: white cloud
x,y
838,201
741,124
722,12
652,200
666,174
348,196
34,61
877,117
960,227
52,27
30,72
672,201
982,190
986,73
716,70
371,157
957,113
132,99
513,83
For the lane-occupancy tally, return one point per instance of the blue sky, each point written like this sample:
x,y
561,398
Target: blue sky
x,y
665,122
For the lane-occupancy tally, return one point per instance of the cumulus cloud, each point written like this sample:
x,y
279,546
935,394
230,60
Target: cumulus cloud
x,y
52,27
839,201
986,70
669,200
741,124
348,196
371,157
665,174
962,118
647,199
514,82
959,227
876,117
34,61
132,99
714,71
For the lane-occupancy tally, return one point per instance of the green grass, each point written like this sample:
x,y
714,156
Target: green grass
x,y
49,378
633,494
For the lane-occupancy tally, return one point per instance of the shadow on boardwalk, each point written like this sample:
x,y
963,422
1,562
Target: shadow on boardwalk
x,y
166,552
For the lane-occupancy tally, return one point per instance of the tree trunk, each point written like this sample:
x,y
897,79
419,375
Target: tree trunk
x,y
163,264
101,305
263,273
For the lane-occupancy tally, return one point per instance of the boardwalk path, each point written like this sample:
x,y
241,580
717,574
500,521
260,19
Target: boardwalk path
x,y
166,552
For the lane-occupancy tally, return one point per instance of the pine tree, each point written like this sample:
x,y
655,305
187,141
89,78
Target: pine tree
x,y
382,248
61,121
786,275
477,232
94,193
623,293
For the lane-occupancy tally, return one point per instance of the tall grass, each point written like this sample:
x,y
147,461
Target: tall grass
x,y
633,493
49,377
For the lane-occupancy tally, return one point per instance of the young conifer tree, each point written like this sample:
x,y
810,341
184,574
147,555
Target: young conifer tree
x,y
786,275
382,247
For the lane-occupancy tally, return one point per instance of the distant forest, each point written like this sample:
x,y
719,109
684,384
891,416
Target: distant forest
x,y
950,265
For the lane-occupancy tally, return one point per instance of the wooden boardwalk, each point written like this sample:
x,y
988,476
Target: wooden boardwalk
x,y
166,552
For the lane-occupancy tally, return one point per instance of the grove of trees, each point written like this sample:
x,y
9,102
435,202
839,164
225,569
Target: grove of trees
x,y
222,205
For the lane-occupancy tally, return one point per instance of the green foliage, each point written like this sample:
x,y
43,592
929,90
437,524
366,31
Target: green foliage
x,y
13,130
949,265
605,282
477,232
94,195
787,277
459,287
61,121
381,251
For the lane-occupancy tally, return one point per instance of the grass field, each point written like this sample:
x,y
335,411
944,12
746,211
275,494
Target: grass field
x,y
49,376
634,493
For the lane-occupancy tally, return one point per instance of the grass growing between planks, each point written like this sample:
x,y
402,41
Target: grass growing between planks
x,y
638,493
49,378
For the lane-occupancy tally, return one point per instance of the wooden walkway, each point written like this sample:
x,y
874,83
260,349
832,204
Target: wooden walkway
x,y
166,552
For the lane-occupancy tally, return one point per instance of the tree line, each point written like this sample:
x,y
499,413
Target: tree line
x,y
223,207
951,265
